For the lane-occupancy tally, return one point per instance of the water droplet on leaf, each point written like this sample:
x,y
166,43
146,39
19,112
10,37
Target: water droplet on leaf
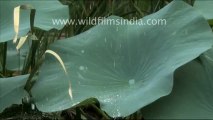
x,y
131,81
105,40
114,64
81,68
32,106
82,51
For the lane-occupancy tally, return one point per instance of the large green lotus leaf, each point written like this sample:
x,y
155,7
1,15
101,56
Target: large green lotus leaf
x,y
12,91
125,67
46,10
205,7
191,97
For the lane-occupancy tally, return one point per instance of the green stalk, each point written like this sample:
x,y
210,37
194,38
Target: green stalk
x,y
4,58
157,5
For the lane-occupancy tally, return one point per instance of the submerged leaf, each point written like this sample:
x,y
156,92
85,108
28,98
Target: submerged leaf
x,y
15,59
125,67
12,91
191,97
46,11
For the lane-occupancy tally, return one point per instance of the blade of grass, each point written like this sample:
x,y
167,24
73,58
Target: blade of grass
x,y
137,8
157,5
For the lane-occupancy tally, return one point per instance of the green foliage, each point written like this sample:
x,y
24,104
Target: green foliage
x,y
42,20
205,7
122,64
191,97
12,91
